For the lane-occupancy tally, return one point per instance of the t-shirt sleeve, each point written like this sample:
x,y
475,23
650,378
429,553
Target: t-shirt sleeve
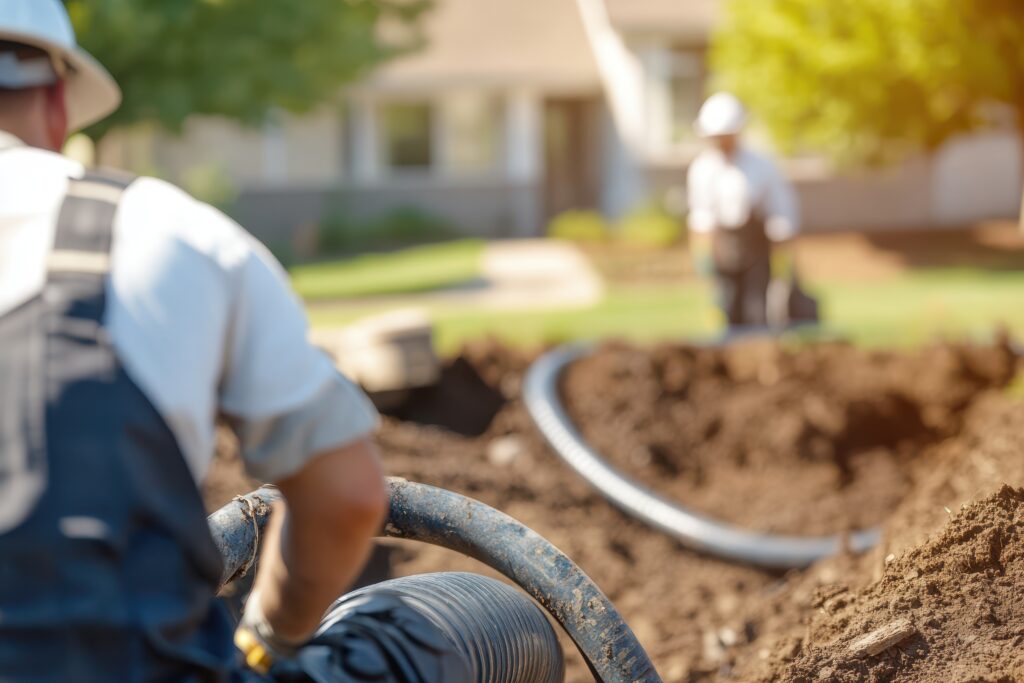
x,y
284,397
701,218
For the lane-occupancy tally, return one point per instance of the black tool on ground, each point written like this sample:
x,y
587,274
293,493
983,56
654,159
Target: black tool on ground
x,y
789,304
504,644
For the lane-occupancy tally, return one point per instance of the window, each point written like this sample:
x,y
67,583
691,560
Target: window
x,y
460,134
686,77
408,136
472,134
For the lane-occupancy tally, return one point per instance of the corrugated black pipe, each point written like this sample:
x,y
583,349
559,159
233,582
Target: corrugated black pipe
x,y
499,633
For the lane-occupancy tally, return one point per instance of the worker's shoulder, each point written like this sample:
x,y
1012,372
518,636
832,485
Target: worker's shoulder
x,y
154,209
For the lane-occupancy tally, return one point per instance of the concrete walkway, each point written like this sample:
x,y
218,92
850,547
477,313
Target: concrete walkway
x,y
515,275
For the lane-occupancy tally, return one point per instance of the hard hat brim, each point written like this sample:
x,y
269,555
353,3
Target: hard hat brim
x,y
720,131
92,93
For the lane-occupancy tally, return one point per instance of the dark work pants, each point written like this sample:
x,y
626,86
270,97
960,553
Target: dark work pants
x,y
743,296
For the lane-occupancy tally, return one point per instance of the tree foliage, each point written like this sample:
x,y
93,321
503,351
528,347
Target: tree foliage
x,y
237,58
872,80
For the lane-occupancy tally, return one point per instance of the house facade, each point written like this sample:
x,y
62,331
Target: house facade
x,y
518,110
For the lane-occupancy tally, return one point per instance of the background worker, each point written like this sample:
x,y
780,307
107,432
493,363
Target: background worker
x,y
741,210
131,317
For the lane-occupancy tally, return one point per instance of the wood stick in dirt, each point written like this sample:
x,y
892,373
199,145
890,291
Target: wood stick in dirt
x,y
881,639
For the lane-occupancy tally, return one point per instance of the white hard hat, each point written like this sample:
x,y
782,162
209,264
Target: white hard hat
x,y
92,93
722,114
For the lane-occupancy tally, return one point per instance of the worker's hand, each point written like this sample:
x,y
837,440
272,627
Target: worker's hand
x,y
259,643
783,262
700,254
704,265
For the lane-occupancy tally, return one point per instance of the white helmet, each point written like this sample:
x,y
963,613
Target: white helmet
x,y
722,114
92,93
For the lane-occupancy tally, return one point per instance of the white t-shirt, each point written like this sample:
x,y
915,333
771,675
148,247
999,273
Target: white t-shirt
x,y
201,315
724,192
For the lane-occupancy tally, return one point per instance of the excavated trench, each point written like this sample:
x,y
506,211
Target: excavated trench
x,y
814,440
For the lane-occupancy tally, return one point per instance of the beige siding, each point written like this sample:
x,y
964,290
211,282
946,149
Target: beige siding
x,y
507,43
303,150
315,148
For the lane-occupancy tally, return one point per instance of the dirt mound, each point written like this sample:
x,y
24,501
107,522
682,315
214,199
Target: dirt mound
x,y
949,610
704,620
808,441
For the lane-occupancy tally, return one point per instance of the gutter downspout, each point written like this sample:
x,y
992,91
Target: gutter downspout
x,y
622,74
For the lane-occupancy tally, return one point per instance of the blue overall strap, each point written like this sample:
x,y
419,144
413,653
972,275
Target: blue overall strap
x,y
135,560
79,262
82,244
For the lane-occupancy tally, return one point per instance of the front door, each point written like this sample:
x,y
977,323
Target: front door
x,y
571,154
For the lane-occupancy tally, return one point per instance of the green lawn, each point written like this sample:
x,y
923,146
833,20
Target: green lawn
x,y
920,305
641,314
418,269
906,309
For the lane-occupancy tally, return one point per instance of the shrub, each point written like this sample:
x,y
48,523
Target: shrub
x,y
408,226
579,226
650,226
337,233
403,227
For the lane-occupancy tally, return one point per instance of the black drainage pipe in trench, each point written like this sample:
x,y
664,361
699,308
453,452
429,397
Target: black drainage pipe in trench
x,y
449,520
543,402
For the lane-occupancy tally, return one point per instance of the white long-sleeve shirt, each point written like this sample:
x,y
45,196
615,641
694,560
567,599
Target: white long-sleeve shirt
x,y
724,192
201,315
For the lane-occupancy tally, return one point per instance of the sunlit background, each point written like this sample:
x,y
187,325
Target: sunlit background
x,y
516,167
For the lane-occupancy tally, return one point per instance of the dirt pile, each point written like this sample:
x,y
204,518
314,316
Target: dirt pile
x,y
928,430
949,610
808,441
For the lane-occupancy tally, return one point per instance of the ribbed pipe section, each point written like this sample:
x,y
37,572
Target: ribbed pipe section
x,y
431,515
502,635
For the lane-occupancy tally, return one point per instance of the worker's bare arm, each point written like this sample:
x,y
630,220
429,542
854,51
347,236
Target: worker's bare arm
x,y
319,540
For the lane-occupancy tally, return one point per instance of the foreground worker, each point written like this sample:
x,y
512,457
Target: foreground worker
x,y
741,210
131,317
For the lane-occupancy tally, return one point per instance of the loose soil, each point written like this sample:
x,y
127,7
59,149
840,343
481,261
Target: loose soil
x,y
812,440
958,596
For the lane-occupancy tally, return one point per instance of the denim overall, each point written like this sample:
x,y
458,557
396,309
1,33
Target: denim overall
x,y
107,569
742,259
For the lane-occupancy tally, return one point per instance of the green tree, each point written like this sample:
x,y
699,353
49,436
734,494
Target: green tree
x,y
237,58
871,81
